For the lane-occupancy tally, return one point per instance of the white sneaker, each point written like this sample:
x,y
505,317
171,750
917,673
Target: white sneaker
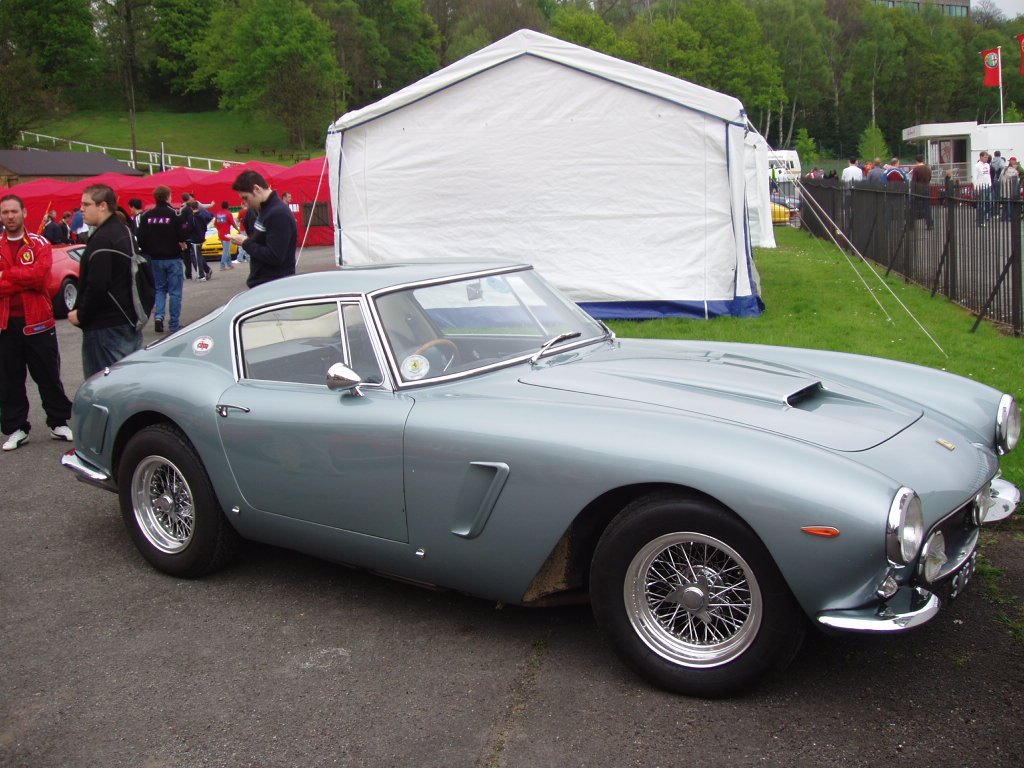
x,y
16,439
62,433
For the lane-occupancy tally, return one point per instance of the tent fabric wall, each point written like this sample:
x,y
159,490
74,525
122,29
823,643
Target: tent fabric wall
x,y
625,187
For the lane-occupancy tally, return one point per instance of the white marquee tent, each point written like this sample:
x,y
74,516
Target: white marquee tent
x,y
625,187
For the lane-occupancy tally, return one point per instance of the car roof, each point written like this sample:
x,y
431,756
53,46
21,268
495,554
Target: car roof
x,y
367,279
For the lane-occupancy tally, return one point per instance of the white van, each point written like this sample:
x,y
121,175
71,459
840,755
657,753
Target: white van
x,y
784,165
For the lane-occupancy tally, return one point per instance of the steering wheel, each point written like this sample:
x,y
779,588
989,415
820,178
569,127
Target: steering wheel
x,y
456,357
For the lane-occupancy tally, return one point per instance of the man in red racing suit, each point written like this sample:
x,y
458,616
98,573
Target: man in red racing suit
x,y
28,337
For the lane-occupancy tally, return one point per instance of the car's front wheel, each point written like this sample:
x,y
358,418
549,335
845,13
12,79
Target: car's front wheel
x,y
690,597
169,506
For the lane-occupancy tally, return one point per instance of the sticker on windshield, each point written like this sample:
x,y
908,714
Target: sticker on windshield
x,y
415,367
202,345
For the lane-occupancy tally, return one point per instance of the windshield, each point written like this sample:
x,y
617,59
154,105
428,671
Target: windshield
x,y
473,324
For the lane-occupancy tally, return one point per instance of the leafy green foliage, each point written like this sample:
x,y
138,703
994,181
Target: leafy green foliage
x,y
273,56
807,148
872,144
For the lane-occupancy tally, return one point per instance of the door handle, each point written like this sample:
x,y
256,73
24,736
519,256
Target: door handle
x,y
223,408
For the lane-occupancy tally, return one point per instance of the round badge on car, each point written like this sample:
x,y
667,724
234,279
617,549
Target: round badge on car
x,y
415,367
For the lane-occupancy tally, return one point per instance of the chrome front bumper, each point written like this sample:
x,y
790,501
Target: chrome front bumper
x,y
912,607
86,472
917,607
1004,500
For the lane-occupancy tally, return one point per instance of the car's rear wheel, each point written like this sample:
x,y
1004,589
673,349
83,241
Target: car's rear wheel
x,y
64,300
690,597
169,506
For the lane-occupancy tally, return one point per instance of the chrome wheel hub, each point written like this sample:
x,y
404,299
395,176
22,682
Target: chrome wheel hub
x,y
163,506
692,599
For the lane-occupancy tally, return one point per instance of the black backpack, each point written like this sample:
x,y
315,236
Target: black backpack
x,y
143,287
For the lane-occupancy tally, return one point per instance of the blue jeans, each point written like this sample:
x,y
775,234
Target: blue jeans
x,y
169,276
984,197
225,258
105,346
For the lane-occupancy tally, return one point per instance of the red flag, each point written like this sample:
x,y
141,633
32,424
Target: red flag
x,y
993,67
42,224
1020,42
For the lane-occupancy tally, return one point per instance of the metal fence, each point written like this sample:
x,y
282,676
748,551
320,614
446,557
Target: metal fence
x,y
963,244
143,159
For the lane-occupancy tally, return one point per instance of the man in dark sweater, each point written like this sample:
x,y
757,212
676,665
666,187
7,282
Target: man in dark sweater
x,y
161,232
105,310
271,242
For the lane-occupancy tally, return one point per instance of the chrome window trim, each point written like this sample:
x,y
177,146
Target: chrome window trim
x,y
237,365
394,369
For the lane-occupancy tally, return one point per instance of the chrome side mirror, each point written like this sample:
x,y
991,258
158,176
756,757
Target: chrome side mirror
x,y
341,377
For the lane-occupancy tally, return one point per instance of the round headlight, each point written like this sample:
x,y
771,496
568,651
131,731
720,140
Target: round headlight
x,y
904,530
933,557
1007,424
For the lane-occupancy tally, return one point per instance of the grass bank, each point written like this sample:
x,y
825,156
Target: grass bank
x,y
203,134
816,299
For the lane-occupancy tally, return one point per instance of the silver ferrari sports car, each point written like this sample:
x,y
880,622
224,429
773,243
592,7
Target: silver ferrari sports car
x,y
466,426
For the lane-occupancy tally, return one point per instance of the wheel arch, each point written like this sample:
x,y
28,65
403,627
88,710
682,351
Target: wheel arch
x,y
565,575
131,427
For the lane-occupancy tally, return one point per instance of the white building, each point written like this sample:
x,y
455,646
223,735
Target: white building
x,y
952,148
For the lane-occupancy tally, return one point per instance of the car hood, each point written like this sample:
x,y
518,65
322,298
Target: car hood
x,y
754,392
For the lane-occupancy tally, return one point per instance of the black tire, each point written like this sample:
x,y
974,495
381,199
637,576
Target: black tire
x,y
654,571
169,507
64,300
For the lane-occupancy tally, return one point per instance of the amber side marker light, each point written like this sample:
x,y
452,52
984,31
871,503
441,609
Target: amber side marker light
x,y
821,530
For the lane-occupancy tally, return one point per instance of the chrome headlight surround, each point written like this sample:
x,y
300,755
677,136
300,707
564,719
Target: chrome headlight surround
x,y
1007,424
904,529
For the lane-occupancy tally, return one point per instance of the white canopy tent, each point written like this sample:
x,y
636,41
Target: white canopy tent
x,y
625,187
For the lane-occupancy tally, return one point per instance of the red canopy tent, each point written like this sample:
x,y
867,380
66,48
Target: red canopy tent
x,y
42,195
216,187
307,181
178,179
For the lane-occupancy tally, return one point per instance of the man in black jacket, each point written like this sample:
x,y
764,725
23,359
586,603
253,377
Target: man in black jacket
x,y
54,230
271,243
161,232
105,310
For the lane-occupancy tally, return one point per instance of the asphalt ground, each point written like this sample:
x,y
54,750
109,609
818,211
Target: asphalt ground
x,y
284,660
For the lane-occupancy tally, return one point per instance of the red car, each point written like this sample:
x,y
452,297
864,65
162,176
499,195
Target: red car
x,y
64,278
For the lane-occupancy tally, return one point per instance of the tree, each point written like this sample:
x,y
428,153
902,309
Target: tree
x,y
57,35
805,70
878,54
274,56
358,50
807,148
24,97
410,38
178,25
667,45
123,33
872,144
734,58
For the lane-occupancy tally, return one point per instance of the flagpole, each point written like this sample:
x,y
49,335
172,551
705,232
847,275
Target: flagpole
x,y
1002,118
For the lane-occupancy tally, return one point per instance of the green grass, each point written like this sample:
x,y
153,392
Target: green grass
x,y
815,299
202,134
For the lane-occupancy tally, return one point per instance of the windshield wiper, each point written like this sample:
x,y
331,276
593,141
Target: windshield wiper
x,y
551,342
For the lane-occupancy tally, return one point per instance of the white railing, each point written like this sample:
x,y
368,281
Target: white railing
x,y
145,159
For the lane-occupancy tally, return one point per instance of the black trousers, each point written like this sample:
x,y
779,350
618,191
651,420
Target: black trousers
x,y
39,356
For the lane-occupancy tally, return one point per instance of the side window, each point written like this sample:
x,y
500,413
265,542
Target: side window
x,y
295,344
361,357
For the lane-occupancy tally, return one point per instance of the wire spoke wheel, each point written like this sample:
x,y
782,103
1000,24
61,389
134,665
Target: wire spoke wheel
x,y
692,599
163,504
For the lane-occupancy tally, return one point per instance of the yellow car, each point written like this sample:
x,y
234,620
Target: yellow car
x,y
212,248
781,214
